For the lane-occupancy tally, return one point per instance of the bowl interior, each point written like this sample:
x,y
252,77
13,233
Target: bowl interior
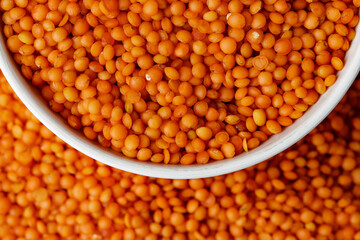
x,y
33,100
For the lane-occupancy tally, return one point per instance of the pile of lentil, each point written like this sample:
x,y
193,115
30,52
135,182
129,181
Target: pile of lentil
x,y
180,81
50,191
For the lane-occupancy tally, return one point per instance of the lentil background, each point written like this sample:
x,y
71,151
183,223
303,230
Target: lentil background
x,y
50,191
180,81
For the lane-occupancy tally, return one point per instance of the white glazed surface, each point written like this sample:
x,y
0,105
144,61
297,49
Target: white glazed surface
x,y
33,100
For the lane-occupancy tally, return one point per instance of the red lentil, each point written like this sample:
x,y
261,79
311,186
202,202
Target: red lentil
x,y
180,73
49,190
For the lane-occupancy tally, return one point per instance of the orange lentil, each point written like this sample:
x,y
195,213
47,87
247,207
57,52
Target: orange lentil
x,y
283,46
193,74
61,193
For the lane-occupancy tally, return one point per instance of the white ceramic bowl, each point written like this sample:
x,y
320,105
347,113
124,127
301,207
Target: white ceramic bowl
x,y
31,97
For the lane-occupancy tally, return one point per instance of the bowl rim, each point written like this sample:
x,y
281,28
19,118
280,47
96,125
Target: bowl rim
x,y
274,145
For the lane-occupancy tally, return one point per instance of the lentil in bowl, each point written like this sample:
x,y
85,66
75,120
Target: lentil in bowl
x,y
233,81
